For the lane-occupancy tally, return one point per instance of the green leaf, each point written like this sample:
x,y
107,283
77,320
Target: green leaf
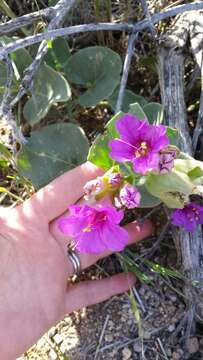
x,y
53,150
3,78
193,168
58,55
99,152
173,136
98,70
188,165
111,125
195,173
62,52
129,98
150,63
21,57
135,109
4,151
22,60
154,112
50,87
147,199
173,188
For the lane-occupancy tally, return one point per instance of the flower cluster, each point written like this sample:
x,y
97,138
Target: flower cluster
x,y
95,226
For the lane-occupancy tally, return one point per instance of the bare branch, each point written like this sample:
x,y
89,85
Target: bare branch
x,y
141,25
61,9
28,19
126,68
196,41
129,55
148,16
171,77
25,20
5,104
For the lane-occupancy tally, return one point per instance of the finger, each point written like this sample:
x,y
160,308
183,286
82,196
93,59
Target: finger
x,y
135,230
66,189
92,292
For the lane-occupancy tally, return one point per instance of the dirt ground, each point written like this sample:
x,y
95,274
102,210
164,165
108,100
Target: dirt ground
x,y
109,331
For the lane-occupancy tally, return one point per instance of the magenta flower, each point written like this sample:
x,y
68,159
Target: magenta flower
x,y
129,196
139,143
188,217
95,229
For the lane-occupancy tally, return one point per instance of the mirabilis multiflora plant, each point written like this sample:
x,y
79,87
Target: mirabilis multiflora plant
x,y
144,167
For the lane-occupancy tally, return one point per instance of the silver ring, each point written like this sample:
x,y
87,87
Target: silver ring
x,y
75,260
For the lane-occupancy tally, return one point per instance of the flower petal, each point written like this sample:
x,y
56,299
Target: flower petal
x,y
114,216
114,237
90,242
121,151
71,226
146,163
129,127
178,218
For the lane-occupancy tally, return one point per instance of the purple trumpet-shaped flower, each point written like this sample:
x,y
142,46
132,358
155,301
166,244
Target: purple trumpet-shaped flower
x,y
95,229
129,196
188,217
139,143
166,160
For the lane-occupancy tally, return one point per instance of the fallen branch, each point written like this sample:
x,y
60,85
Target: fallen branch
x,y
126,68
28,19
171,77
60,11
196,40
141,25
129,55
5,104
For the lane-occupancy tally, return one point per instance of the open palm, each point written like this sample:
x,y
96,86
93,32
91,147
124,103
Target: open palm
x,y
34,266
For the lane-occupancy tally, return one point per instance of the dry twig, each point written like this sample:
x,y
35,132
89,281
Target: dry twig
x,y
139,26
61,10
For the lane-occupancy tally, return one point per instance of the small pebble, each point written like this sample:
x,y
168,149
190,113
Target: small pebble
x,y
176,356
137,347
171,328
147,335
52,355
63,348
126,353
173,298
52,332
109,338
111,324
58,339
192,345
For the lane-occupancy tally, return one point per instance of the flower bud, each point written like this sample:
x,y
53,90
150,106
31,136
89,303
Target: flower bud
x,y
129,196
93,187
114,179
166,160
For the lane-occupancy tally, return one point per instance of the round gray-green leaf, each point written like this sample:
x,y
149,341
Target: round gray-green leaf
x,y
50,87
51,151
129,98
98,70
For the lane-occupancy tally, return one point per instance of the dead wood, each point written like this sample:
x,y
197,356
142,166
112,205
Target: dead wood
x,y
171,60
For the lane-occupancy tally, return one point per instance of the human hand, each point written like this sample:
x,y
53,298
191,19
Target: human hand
x,y
34,266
